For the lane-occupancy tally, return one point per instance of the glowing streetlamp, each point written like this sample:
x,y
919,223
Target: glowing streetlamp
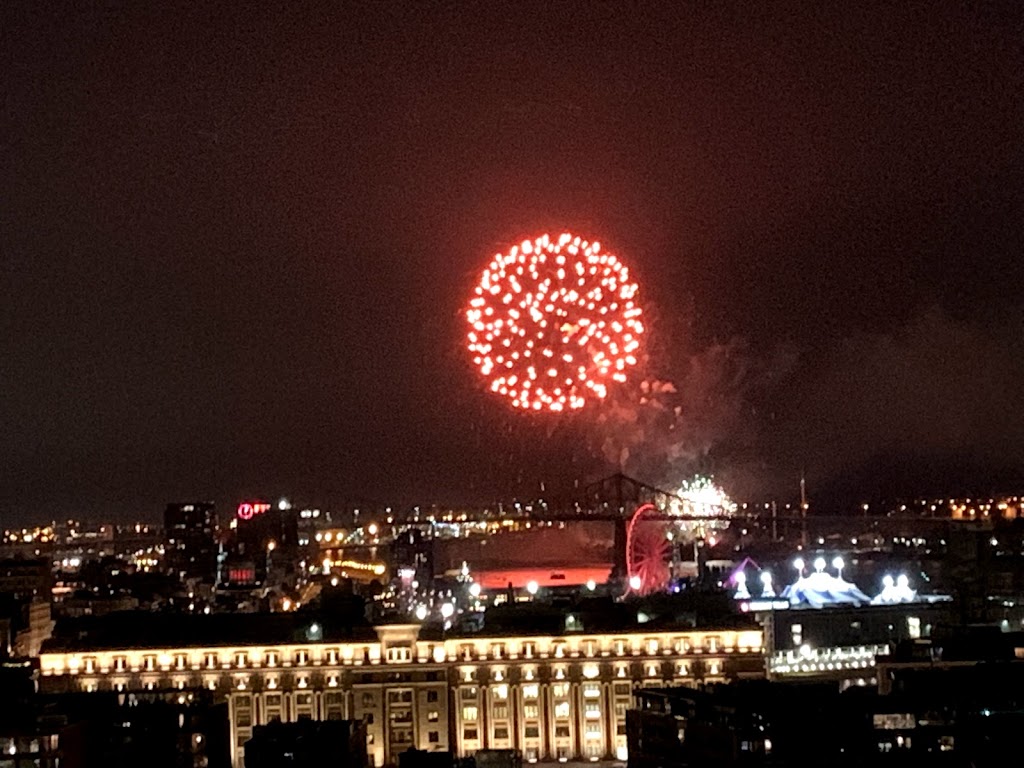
x,y
447,610
532,587
635,582
798,563
819,564
741,586
474,589
591,585
838,564
421,612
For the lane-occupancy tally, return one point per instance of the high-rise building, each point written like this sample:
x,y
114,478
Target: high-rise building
x,y
266,538
190,540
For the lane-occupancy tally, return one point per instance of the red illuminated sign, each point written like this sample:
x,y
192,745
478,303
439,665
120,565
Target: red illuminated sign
x,y
247,510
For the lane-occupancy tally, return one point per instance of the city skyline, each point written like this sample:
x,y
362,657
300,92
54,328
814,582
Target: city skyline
x,y
238,246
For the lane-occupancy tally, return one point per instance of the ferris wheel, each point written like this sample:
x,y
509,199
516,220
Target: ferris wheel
x,y
647,552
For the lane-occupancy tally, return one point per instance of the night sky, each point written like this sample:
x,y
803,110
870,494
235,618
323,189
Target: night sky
x,y
236,243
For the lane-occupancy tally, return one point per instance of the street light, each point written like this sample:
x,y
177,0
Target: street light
x,y
532,587
591,585
421,612
838,564
635,582
447,610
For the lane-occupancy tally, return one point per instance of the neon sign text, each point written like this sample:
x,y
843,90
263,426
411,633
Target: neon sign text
x,y
247,510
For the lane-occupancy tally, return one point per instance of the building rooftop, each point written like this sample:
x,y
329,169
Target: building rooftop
x,y
138,629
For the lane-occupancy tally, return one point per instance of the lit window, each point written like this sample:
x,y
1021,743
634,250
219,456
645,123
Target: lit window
x,y
500,692
561,709
469,713
530,691
399,654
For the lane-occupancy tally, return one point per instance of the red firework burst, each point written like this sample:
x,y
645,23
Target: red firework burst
x,y
647,552
554,322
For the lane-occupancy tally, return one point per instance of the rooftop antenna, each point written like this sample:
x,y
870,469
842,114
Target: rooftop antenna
x,y
803,509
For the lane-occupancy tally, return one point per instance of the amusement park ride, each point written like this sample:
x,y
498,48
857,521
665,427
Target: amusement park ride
x,y
651,526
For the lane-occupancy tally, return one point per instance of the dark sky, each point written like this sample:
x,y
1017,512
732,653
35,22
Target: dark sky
x,y
235,243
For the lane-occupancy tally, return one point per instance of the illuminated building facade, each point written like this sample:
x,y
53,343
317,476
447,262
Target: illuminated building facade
x,y
551,697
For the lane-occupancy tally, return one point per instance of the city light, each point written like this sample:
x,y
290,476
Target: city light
x,y
591,585
532,587
421,612
249,510
447,610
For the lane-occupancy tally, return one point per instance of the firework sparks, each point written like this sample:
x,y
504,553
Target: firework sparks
x,y
701,496
553,323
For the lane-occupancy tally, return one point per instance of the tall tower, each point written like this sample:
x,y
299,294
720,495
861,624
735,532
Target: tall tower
x,y
803,510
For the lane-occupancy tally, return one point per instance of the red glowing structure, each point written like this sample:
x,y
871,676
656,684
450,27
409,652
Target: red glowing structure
x,y
647,552
247,510
553,323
